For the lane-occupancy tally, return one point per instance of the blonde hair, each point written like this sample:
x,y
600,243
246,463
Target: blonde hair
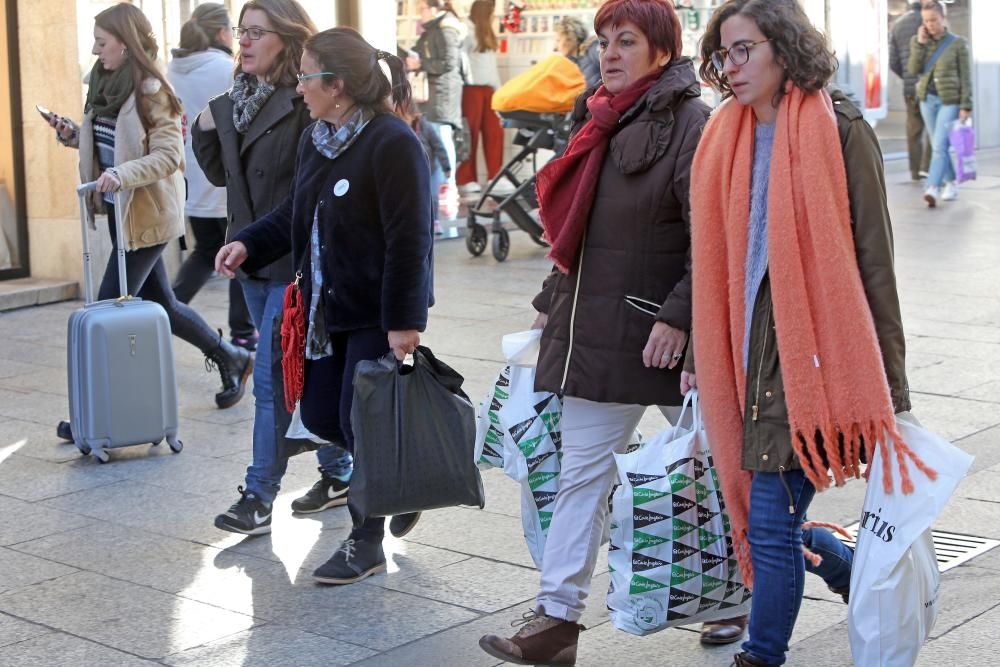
x,y
199,32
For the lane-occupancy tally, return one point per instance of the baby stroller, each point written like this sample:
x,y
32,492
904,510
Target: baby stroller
x,y
537,103
534,131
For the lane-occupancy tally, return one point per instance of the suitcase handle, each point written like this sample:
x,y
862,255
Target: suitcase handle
x,y
88,284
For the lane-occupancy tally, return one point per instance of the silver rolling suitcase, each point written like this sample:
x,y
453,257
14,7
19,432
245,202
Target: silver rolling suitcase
x,y
121,364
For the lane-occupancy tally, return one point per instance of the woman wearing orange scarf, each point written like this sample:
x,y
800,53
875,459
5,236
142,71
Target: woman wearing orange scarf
x,y
796,327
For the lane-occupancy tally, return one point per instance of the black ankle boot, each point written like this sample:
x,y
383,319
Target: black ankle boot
x,y
235,366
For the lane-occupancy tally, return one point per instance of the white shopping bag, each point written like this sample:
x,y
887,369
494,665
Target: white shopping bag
x,y
895,577
298,431
671,555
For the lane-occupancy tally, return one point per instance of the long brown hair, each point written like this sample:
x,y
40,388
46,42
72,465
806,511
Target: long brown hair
x,y
199,32
481,15
798,45
131,27
345,53
293,25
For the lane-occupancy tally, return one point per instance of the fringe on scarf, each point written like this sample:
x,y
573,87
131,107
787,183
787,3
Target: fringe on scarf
x,y
811,444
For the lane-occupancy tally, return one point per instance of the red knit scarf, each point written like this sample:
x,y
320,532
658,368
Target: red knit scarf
x,y
834,378
566,185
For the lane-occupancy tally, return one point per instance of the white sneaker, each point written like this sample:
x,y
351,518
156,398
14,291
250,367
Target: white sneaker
x,y
931,195
949,192
469,188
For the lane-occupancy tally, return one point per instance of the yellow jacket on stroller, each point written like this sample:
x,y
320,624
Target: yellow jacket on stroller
x,y
551,86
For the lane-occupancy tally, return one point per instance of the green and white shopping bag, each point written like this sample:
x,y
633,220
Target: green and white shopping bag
x,y
671,553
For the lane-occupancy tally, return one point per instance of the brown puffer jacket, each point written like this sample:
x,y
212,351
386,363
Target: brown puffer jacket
x,y
767,445
636,245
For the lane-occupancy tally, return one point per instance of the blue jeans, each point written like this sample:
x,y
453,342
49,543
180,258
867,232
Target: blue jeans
x,y
264,299
776,540
938,119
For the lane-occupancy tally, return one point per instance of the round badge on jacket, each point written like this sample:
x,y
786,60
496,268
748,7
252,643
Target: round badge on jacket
x,y
341,188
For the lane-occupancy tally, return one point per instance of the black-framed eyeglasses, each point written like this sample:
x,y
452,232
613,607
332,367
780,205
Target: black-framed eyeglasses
x,y
305,77
253,33
738,55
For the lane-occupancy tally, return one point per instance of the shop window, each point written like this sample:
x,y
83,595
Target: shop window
x,y
13,222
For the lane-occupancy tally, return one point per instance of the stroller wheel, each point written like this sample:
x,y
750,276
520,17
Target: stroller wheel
x,y
539,240
501,244
475,242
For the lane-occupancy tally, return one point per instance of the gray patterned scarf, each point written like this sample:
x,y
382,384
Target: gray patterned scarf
x,y
248,96
330,142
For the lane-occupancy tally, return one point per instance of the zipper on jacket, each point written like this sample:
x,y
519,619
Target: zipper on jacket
x,y
755,409
791,500
572,315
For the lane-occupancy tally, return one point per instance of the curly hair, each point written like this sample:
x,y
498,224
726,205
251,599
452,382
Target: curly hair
x,y
802,49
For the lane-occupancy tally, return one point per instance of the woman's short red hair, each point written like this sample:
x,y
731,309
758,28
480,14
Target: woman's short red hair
x,y
656,18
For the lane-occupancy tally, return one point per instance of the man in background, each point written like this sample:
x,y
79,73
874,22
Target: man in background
x,y
917,142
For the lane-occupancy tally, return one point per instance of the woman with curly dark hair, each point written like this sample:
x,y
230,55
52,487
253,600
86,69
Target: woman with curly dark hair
x,y
801,365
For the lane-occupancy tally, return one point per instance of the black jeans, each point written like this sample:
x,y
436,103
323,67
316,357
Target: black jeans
x,y
147,279
329,393
209,236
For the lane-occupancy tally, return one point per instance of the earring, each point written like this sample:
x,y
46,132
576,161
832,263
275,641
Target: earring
x,y
337,105
125,52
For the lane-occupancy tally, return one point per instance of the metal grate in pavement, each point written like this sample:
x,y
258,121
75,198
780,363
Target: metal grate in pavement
x,y
952,549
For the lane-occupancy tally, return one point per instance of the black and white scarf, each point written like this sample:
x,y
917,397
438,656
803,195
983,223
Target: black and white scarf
x,y
249,96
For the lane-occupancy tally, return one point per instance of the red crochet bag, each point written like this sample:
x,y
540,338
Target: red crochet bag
x,y
293,343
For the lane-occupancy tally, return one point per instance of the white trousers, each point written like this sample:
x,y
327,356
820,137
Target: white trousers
x,y
591,432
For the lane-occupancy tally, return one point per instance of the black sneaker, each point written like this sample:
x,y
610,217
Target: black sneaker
x,y
64,431
401,525
353,561
249,515
327,492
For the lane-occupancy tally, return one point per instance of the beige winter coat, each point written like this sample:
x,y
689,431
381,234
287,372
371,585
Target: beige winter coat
x,y
150,164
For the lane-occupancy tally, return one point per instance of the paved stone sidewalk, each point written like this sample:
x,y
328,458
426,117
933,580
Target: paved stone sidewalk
x,y
119,564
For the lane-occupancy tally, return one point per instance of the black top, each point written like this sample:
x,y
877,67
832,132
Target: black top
x,y
375,228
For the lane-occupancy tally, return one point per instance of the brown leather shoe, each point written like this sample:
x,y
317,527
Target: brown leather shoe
x,y
724,631
542,640
744,659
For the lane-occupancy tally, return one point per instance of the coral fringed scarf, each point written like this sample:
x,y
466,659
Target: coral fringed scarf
x,y
834,379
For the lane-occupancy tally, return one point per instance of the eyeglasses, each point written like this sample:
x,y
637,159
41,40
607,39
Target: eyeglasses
x,y
738,55
253,33
302,77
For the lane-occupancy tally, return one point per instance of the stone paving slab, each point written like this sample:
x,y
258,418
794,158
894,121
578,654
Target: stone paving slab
x,y
131,618
33,480
271,645
64,649
14,630
18,570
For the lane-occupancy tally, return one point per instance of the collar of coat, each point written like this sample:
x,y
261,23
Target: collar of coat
x,y
637,146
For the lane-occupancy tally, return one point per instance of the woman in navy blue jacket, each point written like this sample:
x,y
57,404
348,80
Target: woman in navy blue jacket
x,y
358,224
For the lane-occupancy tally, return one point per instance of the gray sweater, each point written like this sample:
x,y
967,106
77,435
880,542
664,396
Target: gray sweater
x,y
757,235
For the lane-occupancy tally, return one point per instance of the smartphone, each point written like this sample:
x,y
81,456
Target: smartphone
x,y
46,114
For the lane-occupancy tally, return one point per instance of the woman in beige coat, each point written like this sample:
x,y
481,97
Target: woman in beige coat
x,y
130,140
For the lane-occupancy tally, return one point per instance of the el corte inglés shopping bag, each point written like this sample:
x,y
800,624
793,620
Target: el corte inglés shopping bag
x,y
671,554
895,578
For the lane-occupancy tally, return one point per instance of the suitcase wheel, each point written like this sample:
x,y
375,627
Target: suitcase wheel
x,y
84,450
101,455
156,442
175,445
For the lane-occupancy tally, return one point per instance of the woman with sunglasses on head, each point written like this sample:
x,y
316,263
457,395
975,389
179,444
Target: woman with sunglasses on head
x,y
800,367
130,140
245,140
358,224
